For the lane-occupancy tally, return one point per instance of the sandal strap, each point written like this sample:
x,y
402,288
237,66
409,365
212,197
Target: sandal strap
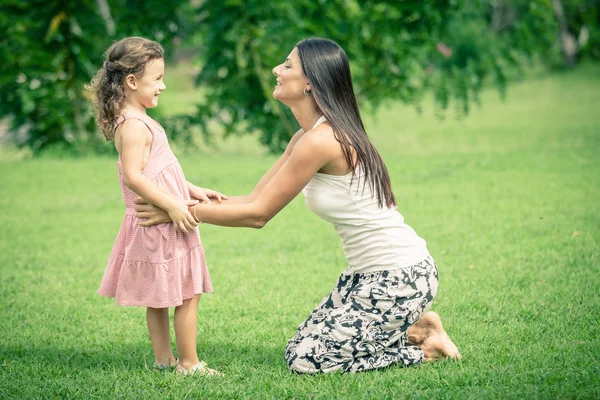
x,y
200,369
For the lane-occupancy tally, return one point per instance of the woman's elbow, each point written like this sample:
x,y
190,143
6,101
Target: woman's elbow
x,y
259,221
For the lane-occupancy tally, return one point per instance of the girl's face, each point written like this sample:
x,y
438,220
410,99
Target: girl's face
x,y
145,90
291,82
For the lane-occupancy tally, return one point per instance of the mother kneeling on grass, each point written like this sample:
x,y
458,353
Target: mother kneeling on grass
x,y
376,315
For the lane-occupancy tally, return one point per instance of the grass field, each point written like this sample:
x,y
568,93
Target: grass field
x,y
508,200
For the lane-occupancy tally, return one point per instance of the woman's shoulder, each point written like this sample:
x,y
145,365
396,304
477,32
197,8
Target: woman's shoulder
x,y
292,143
319,142
321,136
323,141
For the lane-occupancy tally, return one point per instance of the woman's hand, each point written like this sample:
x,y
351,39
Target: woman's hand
x,y
154,215
204,195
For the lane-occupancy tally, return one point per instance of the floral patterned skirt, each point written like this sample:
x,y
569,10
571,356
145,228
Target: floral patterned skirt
x,y
362,323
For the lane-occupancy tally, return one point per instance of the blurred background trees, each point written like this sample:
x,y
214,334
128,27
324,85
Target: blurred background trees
x,y
399,50
50,49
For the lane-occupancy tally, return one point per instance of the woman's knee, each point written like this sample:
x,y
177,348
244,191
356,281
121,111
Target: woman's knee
x,y
297,363
301,366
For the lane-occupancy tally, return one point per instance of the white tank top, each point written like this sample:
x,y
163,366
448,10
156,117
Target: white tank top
x,y
373,238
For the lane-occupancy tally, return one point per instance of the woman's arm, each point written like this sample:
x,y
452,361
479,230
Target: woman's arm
x,y
276,167
249,198
309,155
134,137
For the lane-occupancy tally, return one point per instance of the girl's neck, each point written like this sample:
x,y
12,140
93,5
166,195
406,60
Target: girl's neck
x,y
132,109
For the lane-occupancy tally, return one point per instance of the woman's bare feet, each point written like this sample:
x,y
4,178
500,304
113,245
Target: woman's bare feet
x,y
429,334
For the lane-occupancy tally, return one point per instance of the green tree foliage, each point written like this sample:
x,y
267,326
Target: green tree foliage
x,y
50,49
579,30
398,50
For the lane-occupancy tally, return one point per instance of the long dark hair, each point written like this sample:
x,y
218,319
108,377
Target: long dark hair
x,y
325,65
127,56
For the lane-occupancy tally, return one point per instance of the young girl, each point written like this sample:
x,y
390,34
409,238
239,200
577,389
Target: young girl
x,y
160,266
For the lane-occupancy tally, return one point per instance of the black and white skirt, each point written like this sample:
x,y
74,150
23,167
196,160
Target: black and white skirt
x,y
362,323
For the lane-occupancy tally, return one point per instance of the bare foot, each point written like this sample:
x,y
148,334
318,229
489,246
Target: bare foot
x,y
429,334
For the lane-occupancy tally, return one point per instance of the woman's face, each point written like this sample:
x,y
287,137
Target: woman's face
x,y
291,82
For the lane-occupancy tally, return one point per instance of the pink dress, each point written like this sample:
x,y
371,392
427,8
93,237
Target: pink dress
x,y
155,266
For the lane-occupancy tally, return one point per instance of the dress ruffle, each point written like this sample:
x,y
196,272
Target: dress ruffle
x,y
156,285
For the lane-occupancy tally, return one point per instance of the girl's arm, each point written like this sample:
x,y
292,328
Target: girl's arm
x,y
204,194
134,137
155,215
310,154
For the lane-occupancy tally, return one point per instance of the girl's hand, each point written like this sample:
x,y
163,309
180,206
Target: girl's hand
x,y
180,215
155,215
204,195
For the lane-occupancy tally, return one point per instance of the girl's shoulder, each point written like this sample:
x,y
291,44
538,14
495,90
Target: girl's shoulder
x,y
133,129
132,132
146,120
133,116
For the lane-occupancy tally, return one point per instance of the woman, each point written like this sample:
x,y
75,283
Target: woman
x,y
376,315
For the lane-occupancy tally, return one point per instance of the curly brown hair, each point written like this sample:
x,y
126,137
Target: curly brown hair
x,y
125,57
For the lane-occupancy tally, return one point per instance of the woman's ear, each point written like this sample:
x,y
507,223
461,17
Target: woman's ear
x,y
307,90
131,82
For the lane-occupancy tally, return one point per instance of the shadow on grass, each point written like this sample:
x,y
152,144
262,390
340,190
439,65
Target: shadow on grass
x,y
129,358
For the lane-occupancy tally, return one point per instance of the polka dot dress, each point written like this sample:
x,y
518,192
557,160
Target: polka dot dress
x,y
155,266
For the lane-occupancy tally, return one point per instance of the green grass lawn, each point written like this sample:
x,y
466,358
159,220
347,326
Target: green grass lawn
x,y
508,200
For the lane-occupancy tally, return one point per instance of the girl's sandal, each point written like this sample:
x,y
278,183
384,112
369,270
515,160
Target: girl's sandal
x,y
162,367
198,369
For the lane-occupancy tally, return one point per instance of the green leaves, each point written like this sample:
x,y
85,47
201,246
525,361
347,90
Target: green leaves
x,y
398,51
49,50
